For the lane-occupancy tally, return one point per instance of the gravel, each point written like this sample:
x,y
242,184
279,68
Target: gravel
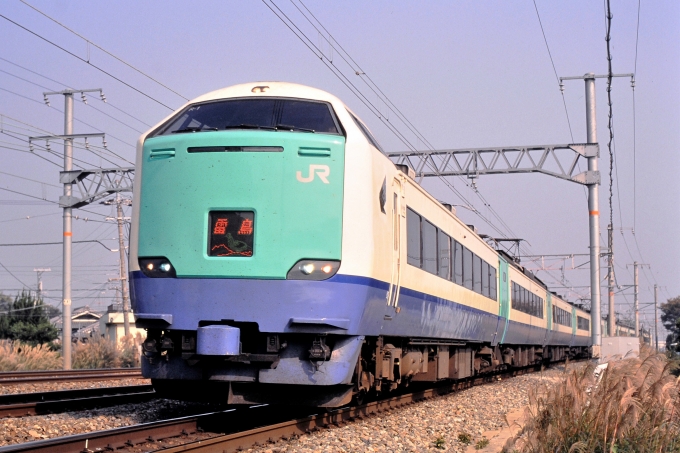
x,y
415,428
26,429
6,389
422,426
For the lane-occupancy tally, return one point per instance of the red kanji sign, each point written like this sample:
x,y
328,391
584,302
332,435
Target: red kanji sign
x,y
246,227
220,226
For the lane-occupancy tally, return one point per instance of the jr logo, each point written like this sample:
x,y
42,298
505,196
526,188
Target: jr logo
x,y
322,171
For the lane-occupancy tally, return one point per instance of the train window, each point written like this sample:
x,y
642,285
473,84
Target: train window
x,y
444,243
467,268
457,263
476,274
429,254
261,113
308,115
493,286
413,238
366,132
485,278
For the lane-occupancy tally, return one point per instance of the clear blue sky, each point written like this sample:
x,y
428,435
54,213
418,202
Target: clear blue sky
x,y
465,73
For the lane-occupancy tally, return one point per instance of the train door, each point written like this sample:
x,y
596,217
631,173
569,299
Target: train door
x,y
504,302
549,315
573,326
396,213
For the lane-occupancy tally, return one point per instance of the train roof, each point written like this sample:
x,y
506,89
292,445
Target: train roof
x,y
268,89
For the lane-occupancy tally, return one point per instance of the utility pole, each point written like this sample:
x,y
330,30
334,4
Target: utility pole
x,y
68,218
40,271
593,217
610,281
123,273
636,299
656,317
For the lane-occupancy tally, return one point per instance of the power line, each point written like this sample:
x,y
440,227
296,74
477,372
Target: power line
x,y
70,87
104,50
637,38
554,70
15,277
86,61
357,92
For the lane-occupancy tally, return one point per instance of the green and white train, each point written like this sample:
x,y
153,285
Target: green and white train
x,y
277,255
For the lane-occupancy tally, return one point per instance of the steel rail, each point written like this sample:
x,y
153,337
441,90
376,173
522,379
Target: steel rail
x,y
211,432
25,404
22,377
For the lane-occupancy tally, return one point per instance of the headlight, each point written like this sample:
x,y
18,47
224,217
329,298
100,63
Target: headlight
x,y
313,270
157,267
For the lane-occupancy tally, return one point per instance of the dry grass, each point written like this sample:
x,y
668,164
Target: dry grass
x,y
633,408
16,356
96,353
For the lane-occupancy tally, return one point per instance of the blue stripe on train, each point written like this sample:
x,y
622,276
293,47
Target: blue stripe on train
x,y
359,302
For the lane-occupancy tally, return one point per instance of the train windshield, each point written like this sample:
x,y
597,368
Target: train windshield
x,y
262,113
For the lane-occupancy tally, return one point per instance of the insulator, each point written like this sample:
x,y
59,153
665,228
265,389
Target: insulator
x,y
47,146
82,96
101,94
47,101
30,146
561,86
104,142
87,144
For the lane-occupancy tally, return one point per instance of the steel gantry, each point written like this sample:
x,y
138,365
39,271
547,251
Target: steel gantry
x,y
473,162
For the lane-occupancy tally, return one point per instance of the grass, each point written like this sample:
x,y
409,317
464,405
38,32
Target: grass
x,y
634,407
96,353
15,356
464,438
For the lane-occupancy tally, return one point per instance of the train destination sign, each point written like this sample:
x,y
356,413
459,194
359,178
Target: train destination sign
x,y
230,233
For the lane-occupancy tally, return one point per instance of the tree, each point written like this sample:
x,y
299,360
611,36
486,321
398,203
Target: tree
x,y
26,320
670,314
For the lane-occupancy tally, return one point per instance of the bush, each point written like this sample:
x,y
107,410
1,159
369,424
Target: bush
x,y
96,353
632,408
129,351
15,356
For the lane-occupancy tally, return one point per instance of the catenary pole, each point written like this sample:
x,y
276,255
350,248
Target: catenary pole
x,y
65,201
594,218
611,328
635,300
123,273
656,317
68,235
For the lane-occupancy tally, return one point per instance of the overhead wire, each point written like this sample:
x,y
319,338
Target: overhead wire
x,y
557,78
87,62
108,102
637,39
376,111
104,50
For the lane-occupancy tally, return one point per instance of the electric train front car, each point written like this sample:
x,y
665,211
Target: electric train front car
x,y
236,245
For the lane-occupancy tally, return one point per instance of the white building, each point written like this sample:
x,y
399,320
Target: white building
x,y
111,324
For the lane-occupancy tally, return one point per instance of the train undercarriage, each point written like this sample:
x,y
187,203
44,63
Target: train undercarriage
x,y
303,369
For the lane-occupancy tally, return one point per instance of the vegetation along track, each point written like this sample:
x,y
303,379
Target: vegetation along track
x,y
23,377
24,404
237,429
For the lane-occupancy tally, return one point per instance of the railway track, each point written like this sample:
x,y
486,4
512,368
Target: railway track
x,y
237,429
25,404
24,377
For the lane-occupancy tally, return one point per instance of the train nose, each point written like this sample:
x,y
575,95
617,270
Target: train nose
x,y
218,340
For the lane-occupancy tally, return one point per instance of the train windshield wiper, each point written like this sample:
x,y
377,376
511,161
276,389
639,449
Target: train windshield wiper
x,y
287,127
194,129
249,126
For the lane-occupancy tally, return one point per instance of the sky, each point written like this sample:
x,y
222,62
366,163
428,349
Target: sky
x,y
464,74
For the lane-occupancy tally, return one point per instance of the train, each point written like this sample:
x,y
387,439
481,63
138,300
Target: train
x,y
277,255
